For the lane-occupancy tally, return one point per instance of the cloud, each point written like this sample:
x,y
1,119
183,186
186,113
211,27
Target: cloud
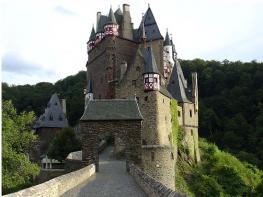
x,y
13,63
64,11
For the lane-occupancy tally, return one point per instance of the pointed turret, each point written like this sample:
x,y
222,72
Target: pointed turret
x,y
167,41
151,27
111,26
92,38
151,74
168,56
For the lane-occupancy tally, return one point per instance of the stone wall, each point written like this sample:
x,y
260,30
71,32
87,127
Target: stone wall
x,y
150,186
128,130
57,186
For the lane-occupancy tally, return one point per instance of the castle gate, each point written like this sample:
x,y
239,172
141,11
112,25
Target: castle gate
x,y
121,118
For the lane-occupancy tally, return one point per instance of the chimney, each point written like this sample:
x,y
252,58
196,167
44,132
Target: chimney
x,y
127,31
98,19
63,104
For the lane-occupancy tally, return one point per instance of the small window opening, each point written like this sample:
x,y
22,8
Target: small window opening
x,y
146,98
165,118
51,117
191,113
163,100
173,82
172,156
179,114
192,132
60,117
152,156
138,68
138,99
144,142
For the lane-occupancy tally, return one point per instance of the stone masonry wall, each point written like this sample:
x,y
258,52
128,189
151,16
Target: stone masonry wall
x,y
57,186
128,130
151,186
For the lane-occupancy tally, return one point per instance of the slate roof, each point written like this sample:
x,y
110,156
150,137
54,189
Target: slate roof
x,y
102,22
118,15
150,65
92,34
53,116
111,18
112,109
177,85
167,41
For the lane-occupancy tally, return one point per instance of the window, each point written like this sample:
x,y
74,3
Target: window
x,y
51,117
137,99
146,98
173,82
165,118
56,103
138,68
134,83
152,156
146,80
179,114
144,142
155,80
60,117
191,113
192,133
163,100
172,156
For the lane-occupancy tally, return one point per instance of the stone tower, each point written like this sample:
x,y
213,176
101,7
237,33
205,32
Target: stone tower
x,y
124,63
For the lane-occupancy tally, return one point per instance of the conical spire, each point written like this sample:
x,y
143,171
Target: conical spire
x,y
150,65
167,41
92,34
111,18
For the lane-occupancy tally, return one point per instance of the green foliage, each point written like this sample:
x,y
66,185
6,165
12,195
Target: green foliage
x,y
220,174
175,126
18,171
64,142
231,105
35,97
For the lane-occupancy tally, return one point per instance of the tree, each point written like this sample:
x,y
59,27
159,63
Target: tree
x,y
64,143
18,137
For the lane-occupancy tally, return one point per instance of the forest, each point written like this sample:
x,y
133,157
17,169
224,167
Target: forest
x,y
230,117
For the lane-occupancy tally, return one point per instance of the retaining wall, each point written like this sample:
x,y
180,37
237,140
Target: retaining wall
x,y
150,186
57,186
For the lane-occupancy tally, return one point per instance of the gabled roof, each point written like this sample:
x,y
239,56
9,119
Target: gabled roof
x,y
92,34
112,109
111,18
53,116
150,65
177,85
167,41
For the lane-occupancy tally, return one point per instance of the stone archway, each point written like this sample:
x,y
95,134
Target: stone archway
x,y
119,117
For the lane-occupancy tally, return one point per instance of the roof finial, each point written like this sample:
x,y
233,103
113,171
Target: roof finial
x,y
148,5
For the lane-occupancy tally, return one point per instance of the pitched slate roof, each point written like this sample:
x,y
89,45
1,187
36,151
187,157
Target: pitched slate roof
x,y
102,22
92,34
118,15
167,41
177,85
150,65
111,18
53,116
112,109
151,27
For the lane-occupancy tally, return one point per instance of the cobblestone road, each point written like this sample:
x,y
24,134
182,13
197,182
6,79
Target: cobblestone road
x,y
112,180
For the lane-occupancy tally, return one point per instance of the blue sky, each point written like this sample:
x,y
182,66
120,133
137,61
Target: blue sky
x,y
45,40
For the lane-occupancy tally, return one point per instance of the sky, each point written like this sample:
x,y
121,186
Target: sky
x,y
45,40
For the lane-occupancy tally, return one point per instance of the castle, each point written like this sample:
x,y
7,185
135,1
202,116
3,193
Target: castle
x,y
126,63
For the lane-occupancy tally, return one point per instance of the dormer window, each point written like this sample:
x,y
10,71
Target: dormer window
x,y
60,118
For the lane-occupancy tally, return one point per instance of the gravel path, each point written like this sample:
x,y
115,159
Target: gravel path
x,y
112,180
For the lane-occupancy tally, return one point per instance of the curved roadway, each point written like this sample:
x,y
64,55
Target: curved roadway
x,y
112,180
